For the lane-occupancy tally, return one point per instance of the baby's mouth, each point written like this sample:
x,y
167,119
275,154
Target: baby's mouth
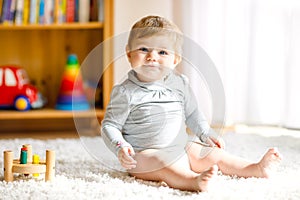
x,y
152,65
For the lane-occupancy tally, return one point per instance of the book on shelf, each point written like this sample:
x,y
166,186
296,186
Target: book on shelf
x,y
70,11
7,11
84,11
76,10
1,3
100,10
41,15
49,9
93,10
26,7
23,12
60,13
19,12
33,15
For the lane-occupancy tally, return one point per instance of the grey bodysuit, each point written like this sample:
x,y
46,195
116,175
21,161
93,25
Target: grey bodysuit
x,y
152,115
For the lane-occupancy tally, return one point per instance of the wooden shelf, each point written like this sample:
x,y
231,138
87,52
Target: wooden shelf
x,y
63,26
48,113
42,51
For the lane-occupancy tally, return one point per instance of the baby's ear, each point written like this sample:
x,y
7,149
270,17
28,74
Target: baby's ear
x,y
177,59
128,52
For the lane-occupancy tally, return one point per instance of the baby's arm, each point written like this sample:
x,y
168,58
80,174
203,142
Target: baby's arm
x,y
198,125
111,129
196,121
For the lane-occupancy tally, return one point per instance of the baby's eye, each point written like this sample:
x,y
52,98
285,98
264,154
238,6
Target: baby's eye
x,y
143,49
163,52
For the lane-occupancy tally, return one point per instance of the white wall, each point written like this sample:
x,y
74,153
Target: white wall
x,y
127,12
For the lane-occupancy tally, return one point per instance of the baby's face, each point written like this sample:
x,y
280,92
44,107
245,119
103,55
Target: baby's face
x,y
152,57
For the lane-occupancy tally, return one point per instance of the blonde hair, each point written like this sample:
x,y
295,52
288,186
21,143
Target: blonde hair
x,y
152,25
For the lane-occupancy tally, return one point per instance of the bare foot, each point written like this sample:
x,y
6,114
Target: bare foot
x,y
206,176
266,164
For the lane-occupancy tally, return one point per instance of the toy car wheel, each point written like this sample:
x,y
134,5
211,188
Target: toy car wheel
x,y
22,103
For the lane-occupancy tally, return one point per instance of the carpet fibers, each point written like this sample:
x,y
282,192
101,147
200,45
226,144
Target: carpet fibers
x,y
80,176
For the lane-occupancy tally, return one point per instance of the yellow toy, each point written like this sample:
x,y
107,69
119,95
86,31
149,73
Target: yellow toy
x,y
32,166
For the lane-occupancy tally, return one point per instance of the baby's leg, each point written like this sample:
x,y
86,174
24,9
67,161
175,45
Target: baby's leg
x,y
230,164
177,175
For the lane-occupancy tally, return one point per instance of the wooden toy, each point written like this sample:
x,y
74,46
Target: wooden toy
x,y
14,165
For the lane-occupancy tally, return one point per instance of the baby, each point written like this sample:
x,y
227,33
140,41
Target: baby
x,y
146,120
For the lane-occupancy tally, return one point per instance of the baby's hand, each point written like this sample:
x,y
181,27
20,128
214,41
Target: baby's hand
x,y
125,157
219,142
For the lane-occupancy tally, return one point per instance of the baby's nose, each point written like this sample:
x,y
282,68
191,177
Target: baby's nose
x,y
152,56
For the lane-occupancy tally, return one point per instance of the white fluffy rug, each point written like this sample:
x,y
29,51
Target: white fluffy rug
x,y
79,176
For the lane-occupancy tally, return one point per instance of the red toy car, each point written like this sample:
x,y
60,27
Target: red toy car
x,y
16,91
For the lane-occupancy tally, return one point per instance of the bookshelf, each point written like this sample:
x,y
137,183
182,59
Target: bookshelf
x,y
42,51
